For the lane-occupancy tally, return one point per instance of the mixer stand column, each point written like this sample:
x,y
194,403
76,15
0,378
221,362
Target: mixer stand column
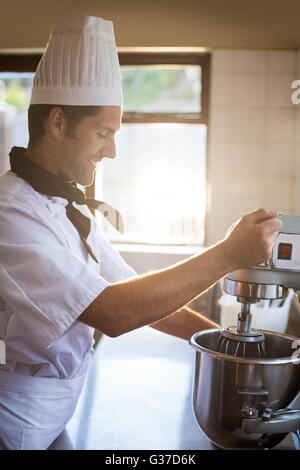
x,y
244,319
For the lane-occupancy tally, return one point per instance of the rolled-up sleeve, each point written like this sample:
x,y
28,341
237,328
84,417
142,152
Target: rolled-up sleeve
x,y
41,280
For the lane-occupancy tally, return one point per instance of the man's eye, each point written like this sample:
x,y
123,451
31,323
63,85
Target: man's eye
x,y
102,134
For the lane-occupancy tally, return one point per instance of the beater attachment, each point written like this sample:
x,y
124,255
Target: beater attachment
x,y
242,340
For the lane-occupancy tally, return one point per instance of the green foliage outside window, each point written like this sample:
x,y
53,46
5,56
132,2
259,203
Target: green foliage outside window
x,y
164,89
16,95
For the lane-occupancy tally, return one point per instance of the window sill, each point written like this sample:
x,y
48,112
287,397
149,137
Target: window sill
x,y
154,249
146,258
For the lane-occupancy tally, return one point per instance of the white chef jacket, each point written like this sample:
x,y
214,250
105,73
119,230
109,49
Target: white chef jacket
x,y
47,279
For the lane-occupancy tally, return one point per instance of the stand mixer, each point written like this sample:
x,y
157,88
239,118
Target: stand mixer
x,y
246,381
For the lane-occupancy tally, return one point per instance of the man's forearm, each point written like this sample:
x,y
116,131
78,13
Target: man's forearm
x,y
140,301
184,323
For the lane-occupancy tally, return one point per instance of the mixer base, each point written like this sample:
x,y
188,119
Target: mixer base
x,y
290,442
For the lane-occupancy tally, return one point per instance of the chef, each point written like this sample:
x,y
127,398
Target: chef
x,y
59,277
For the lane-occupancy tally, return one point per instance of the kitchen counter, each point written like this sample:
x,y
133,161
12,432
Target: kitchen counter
x,y
138,396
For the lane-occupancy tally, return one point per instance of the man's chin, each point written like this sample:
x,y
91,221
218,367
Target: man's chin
x,y
86,181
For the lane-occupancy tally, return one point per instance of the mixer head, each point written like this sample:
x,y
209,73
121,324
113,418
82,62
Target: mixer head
x,y
268,281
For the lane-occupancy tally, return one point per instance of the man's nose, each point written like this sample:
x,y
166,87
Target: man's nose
x,y
110,150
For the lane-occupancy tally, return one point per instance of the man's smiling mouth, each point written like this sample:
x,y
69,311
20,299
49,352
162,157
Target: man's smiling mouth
x,y
94,161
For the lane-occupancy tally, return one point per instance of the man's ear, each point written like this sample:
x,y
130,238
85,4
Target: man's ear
x,y
56,123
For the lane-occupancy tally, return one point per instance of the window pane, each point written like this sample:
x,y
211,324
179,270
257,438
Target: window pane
x,y
15,93
167,89
157,182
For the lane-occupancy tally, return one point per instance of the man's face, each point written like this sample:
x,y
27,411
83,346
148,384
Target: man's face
x,y
91,141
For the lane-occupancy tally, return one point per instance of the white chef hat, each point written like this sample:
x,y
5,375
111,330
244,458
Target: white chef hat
x,y
80,65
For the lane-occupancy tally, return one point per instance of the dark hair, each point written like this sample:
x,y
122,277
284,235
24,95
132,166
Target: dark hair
x,y
38,113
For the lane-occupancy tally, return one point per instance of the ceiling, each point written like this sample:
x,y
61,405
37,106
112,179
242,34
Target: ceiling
x,y
240,24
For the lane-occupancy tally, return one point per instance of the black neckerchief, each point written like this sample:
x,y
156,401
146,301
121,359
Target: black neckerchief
x,y
51,185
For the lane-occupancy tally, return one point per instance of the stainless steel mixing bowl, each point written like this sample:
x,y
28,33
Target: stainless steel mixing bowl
x,y
233,396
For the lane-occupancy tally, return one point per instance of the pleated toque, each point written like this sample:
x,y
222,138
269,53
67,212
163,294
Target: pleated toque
x,y
80,65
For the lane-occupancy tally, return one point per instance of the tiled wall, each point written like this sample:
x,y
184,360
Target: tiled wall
x,y
253,142
297,150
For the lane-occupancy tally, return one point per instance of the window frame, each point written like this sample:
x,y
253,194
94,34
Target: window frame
x,y
154,59
203,59
28,63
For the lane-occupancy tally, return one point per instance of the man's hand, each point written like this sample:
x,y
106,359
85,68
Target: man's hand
x,y
251,241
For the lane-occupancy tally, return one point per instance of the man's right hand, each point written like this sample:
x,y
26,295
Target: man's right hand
x,y
251,240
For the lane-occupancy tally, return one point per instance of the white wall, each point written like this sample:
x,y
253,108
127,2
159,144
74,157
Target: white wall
x,y
296,192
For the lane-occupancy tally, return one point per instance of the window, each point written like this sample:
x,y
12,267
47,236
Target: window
x,y
158,180
15,92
